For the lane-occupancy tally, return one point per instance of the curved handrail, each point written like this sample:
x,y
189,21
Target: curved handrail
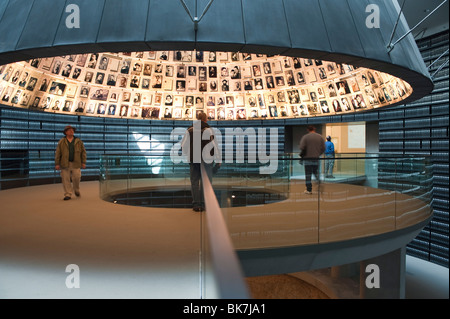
x,y
225,262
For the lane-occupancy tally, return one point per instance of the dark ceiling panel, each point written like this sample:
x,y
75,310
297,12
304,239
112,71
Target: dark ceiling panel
x,y
265,27
123,22
306,27
222,27
13,23
341,29
41,24
169,25
3,5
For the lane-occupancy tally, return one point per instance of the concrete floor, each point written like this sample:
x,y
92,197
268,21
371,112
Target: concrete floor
x,y
121,251
425,280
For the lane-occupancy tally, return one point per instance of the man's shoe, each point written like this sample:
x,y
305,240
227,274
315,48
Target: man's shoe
x,y
77,194
197,209
67,198
307,192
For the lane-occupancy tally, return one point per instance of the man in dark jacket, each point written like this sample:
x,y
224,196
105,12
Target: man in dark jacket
x,y
200,147
312,146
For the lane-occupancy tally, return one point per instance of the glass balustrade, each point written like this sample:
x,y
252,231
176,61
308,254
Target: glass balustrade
x,y
364,195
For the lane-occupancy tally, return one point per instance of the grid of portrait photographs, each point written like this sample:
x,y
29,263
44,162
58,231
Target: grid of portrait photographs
x,y
177,85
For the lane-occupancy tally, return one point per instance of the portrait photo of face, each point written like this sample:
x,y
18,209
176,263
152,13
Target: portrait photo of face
x,y
124,110
67,70
80,107
57,88
99,78
92,63
32,84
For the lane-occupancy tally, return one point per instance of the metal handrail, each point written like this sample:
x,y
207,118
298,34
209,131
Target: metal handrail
x,y
225,262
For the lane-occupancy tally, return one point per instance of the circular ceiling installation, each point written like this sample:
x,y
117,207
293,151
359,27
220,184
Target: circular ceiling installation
x,y
238,60
179,84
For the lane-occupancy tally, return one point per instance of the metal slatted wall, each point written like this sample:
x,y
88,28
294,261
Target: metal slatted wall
x,y
422,128
28,141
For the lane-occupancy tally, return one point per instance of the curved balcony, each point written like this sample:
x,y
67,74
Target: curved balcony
x,y
373,205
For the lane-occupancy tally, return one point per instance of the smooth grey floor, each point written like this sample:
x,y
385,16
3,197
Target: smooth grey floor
x,y
122,252
425,280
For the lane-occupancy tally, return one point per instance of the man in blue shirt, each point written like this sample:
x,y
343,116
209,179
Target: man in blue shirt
x,y
329,155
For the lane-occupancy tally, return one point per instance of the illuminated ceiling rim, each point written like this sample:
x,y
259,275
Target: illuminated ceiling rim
x,y
299,87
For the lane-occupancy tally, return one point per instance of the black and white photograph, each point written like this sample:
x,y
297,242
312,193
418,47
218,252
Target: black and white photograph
x,y
112,109
67,69
103,64
281,97
324,106
146,112
99,94
100,78
56,67
88,77
294,96
84,91
273,111
32,83
123,110
112,80
342,87
76,73
183,56
57,88
92,62
79,107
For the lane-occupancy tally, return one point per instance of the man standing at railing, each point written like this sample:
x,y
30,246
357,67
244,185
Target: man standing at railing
x,y
70,157
329,155
200,147
312,146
